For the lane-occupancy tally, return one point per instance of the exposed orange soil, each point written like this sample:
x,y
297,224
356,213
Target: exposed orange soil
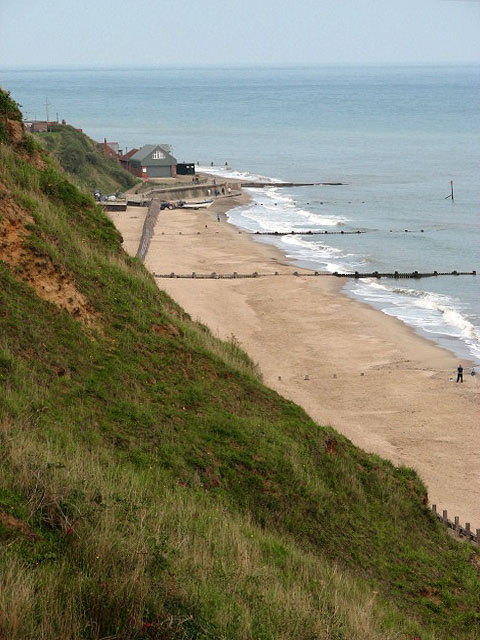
x,y
50,281
14,131
15,525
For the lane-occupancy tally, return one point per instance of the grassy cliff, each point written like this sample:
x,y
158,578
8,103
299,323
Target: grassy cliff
x,y
152,487
84,161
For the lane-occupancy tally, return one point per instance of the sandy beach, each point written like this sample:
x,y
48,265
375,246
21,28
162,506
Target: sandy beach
x,y
364,373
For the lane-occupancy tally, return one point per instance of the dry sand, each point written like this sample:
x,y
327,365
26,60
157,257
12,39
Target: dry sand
x,y
369,376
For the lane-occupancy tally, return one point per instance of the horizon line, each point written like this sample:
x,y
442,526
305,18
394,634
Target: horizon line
x,y
239,65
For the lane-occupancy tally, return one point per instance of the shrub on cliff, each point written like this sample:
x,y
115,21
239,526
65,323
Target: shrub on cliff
x,y
84,160
9,110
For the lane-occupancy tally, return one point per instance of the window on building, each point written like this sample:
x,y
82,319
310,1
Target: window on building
x,y
157,155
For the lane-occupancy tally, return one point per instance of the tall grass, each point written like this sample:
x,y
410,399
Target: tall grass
x,y
149,553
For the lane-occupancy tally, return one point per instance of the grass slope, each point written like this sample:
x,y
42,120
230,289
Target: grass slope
x,y
84,161
152,487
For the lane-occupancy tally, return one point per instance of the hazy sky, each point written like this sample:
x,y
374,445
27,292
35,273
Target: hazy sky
x,y
183,32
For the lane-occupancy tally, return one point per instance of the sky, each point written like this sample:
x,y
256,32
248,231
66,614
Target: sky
x,y
245,32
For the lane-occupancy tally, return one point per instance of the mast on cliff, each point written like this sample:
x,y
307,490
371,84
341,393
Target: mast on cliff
x,y
47,104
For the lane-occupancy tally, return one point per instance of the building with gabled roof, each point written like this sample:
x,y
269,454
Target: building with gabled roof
x,y
125,159
153,161
111,149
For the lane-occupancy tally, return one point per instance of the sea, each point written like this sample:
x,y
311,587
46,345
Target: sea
x,y
394,136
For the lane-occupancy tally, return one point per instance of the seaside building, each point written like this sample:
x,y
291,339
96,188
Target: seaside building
x,y
111,149
186,169
37,126
125,158
153,161
42,126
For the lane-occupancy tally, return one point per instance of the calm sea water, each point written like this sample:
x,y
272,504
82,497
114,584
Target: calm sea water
x,y
395,135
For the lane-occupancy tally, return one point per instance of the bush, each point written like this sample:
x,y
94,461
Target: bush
x,y
93,158
8,109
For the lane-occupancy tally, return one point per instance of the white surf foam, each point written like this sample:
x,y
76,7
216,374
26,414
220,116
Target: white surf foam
x,y
434,313
274,210
229,172
319,254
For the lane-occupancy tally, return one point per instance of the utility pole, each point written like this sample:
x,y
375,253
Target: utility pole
x,y
47,104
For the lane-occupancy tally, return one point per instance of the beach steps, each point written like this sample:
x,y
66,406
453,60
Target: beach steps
x,y
375,274
113,206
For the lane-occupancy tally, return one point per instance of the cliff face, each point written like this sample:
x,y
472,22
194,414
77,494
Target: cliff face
x,y
14,132
21,155
152,487
50,282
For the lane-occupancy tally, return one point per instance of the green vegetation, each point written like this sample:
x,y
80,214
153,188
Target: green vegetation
x,y
84,161
152,487
8,109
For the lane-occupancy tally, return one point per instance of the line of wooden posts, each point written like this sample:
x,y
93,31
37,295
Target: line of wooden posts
x,y
463,531
375,274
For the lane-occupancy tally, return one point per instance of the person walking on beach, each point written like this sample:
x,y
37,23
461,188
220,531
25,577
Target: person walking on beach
x,y
218,217
459,373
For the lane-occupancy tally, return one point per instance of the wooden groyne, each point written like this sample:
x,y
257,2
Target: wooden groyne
x,y
461,531
148,229
305,233
397,274
375,274
260,184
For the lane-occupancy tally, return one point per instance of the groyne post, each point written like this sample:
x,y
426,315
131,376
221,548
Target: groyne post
x,y
148,229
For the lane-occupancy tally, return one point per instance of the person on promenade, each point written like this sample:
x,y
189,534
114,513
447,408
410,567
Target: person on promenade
x,y
459,373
